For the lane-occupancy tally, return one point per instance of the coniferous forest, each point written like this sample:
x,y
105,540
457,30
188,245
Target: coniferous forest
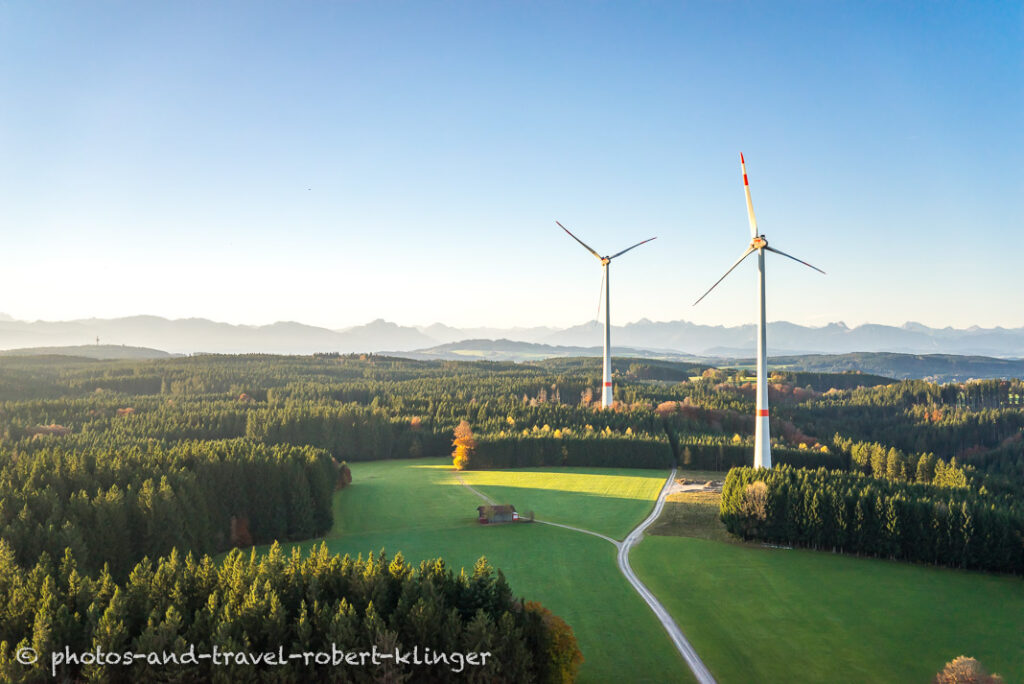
x,y
120,480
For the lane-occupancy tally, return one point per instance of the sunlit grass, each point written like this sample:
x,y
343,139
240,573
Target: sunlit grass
x,y
415,507
611,501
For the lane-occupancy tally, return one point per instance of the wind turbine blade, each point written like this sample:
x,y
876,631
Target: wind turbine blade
x,y
772,249
750,250
589,248
629,248
750,205
600,296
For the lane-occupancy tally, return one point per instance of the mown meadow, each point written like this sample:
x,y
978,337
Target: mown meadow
x,y
420,508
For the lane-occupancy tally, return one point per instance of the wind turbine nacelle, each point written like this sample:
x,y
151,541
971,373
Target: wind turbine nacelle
x,y
759,242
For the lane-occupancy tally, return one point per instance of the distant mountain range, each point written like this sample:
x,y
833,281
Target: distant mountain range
x,y
790,338
642,338
199,335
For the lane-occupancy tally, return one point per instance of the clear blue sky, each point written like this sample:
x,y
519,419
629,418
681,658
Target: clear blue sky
x,y
336,162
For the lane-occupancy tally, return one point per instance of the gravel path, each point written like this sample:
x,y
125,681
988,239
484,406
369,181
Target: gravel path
x,y
476,491
696,665
580,529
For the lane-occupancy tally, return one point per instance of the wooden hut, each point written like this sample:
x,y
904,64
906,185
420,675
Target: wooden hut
x,y
496,514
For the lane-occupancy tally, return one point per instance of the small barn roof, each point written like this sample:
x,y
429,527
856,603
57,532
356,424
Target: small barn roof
x,y
499,508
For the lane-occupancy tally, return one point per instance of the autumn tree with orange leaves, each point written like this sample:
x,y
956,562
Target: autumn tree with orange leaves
x,y
465,445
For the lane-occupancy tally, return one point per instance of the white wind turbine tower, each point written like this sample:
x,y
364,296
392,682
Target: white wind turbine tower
x,y
606,385
762,438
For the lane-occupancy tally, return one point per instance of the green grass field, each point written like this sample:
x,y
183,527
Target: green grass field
x,y
753,614
757,614
418,508
611,501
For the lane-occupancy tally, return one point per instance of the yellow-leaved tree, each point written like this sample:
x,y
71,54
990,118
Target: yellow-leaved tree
x,y
465,444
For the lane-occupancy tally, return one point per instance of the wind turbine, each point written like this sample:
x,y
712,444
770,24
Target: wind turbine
x,y
762,438
606,386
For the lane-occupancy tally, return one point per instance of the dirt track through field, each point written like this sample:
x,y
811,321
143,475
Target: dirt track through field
x,y
476,491
686,650
696,665
580,529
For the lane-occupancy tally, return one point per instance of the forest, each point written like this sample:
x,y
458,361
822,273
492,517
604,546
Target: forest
x,y
274,603
947,522
118,473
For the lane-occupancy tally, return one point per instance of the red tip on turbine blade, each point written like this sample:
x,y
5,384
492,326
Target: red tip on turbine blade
x,y
741,159
745,179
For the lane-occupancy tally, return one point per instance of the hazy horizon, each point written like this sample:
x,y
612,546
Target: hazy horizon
x,y
4,316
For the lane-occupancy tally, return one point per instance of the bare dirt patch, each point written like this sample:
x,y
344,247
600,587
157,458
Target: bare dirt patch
x,y
692,514
698,481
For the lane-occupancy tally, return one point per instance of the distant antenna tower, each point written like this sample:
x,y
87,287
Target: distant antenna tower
x,y
97,340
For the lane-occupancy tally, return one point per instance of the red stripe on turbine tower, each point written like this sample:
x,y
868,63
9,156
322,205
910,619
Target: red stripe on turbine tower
x,y
762,412
607,384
